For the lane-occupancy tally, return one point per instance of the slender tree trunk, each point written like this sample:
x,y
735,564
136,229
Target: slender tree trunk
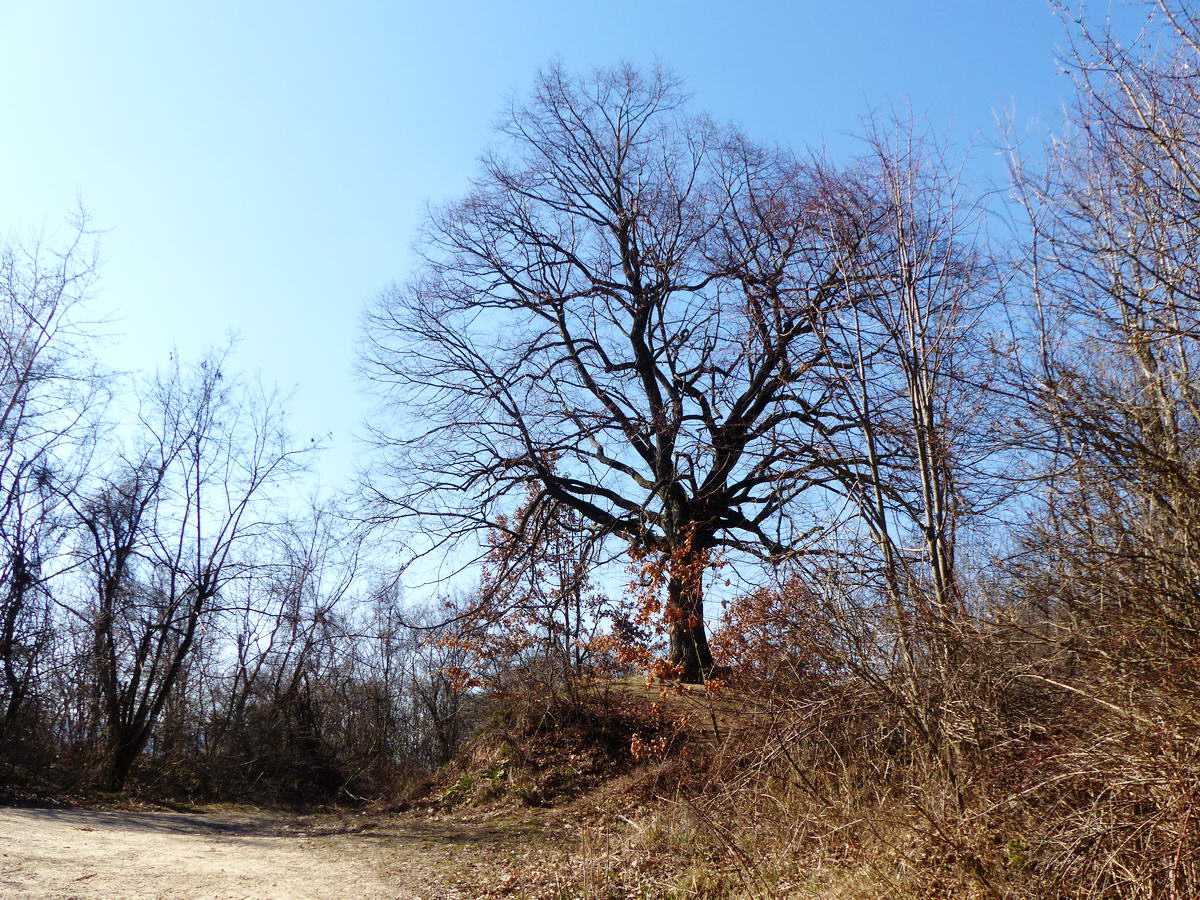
x,y
16,682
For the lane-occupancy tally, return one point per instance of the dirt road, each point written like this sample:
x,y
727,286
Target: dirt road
x,y
228,855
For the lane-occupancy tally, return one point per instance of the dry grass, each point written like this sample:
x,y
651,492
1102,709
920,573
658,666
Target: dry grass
x,y
1045,777
1035,791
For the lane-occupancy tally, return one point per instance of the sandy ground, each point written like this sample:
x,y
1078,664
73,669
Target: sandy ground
x,y
226,855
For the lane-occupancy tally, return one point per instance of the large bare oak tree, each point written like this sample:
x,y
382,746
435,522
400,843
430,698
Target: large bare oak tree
x,y
626,315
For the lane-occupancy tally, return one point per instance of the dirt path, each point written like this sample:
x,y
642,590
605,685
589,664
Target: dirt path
x,y
227,855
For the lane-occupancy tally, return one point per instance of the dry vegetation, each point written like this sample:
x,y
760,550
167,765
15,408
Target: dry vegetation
x,y
946,485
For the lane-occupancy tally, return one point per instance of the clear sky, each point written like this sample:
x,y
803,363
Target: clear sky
x,y
262,167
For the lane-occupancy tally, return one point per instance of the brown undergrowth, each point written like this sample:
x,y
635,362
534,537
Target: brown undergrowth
x,y
534,752
769,789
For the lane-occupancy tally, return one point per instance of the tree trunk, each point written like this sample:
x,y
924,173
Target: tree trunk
x,y
685,615
16,683
125,750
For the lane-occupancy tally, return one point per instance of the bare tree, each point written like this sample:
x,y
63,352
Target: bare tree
x,y
294,673
163,537
46,392
920,384
1118,306
627,316
1111,565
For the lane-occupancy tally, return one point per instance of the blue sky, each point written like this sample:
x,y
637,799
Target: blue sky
x,y
262,167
